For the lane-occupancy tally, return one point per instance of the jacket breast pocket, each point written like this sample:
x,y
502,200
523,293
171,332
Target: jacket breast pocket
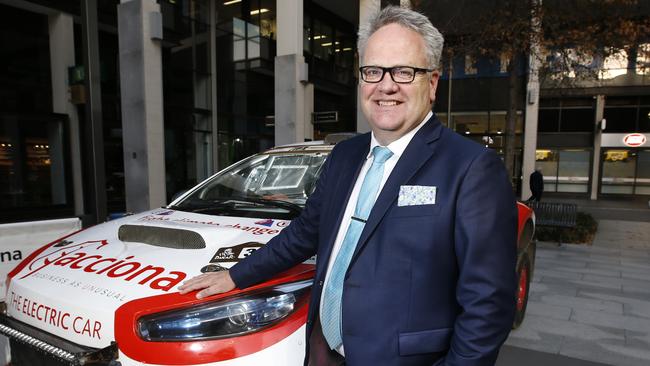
x,y
415,210
424,341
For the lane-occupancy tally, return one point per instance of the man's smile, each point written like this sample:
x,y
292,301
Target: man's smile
x,y
387,103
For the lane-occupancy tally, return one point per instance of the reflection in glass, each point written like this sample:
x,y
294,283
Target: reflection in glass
x,y
471,123
498,120
577,120
323,41
32,164
643,59
290,177
573,171
620,119
549,120
238,39
643,172
644,119
618,171
547,160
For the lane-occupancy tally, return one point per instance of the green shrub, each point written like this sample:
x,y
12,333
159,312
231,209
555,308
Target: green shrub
x,y
583,233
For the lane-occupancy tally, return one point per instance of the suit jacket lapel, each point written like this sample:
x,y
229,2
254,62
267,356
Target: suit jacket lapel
x,y
347,170
418,151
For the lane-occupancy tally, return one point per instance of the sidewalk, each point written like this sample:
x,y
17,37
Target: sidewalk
x,y
592,302
516,356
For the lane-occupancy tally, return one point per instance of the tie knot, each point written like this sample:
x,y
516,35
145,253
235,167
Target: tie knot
x,y
381,154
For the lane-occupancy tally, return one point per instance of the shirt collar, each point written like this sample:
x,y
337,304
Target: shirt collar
x,y
398,146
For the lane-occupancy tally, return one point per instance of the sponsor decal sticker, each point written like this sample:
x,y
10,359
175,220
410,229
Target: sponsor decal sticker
x,y
267,222
11,255
87,257
55,316
251,229
93,289
236,253
164,213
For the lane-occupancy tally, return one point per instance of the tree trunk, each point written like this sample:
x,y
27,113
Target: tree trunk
x,y
511,119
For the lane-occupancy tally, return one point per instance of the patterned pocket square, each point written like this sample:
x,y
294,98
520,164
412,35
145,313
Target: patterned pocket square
x,y
416,195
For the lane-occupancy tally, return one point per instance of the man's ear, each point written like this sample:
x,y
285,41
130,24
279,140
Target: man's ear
x,y
435,76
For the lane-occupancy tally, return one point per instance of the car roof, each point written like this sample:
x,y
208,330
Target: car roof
x,y
310,146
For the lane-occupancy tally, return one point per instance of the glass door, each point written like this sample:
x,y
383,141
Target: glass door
x,y
619,167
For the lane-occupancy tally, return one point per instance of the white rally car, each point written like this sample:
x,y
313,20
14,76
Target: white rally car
x,y
107,294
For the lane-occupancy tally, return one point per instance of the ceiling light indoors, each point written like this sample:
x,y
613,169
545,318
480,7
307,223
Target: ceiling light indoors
x,y
328,44
259,11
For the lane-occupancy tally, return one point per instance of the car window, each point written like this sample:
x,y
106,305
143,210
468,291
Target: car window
x,y
287,177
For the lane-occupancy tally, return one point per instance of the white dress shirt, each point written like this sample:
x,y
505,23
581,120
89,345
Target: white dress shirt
x,y
397,147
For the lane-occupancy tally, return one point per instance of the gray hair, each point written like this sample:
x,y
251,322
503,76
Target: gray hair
x,y
409,19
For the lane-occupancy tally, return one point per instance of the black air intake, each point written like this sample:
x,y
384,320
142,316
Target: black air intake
x,y
161,236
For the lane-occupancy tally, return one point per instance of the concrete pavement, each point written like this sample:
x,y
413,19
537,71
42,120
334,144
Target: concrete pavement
x,y
592,302
516,356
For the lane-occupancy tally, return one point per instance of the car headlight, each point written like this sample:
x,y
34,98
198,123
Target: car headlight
x,y
226,317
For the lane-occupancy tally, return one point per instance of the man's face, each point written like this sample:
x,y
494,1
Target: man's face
x,y
394,109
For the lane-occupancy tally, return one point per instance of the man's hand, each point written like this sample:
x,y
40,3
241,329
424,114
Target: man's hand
x,y
211,283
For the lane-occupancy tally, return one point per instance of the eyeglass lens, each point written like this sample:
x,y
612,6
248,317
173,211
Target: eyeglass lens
x,y
402,74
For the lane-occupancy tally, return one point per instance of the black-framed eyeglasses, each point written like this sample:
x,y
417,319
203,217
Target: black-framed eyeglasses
x,y
399,74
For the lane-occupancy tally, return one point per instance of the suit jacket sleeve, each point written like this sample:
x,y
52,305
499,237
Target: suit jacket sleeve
x,y
296,243
485,236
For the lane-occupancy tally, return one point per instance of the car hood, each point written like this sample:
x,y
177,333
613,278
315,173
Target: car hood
x,y
73,287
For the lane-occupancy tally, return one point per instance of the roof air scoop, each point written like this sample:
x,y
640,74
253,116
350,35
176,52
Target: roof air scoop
x,y
161,237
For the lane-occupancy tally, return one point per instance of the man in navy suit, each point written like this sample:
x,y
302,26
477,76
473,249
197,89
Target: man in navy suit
x,y
413,225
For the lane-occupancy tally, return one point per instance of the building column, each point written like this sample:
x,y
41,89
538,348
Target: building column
x,y
598,134
212,46
291,76
530,138
531,114
367,8
61,30
308,110
139,31
93,134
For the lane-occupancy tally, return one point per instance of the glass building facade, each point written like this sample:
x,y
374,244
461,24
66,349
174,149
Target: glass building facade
x,y
566,150
218,77
218,94
34,163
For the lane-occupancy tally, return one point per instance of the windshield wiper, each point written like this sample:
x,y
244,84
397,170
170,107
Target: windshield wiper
x,y
229,202
291,207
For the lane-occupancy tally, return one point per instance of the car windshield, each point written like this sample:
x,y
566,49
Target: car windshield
x,y
274,185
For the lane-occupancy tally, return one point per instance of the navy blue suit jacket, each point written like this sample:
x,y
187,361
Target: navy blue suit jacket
x,y
428,284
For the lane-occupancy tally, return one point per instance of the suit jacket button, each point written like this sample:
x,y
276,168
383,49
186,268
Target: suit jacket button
x,y
320,283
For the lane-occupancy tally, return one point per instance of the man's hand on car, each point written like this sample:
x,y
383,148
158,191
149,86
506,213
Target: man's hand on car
x,y
211,283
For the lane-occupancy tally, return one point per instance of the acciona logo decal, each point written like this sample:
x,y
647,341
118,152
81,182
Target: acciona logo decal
x,y
81,257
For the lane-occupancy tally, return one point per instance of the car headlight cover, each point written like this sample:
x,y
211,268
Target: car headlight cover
x,y
224,318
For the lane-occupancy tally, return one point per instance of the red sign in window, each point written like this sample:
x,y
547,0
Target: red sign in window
x,y
634,139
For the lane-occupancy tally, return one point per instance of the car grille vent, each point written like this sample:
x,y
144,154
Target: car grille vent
x,y
161,237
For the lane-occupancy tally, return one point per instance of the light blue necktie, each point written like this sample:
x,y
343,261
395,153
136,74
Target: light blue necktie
x,y
331,314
